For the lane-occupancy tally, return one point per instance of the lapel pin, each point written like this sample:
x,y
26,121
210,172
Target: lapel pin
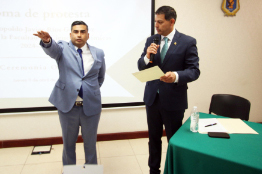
x,y
175,43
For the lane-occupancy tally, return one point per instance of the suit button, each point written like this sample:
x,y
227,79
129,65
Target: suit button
x,y
77,90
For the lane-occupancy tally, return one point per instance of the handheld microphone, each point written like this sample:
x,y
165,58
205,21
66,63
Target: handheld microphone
x,y
156,40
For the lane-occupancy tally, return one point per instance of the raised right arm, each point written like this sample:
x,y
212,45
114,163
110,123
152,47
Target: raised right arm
x,y
49,46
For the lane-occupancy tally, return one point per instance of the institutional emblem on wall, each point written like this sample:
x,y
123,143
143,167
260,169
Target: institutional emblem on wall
x,y
230,7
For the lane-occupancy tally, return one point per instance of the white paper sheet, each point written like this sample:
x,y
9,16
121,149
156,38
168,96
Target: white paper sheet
x,y
207,121
149,74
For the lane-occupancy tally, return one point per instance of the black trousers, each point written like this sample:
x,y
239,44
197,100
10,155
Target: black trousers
x,y
156,118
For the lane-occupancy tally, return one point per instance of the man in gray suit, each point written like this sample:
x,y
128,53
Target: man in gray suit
x,y
76,94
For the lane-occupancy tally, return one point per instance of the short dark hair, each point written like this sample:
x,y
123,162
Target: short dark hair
x,y
168,11
78,23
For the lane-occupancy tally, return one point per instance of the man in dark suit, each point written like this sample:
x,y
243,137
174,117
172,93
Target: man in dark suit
x,y
76,94
166,98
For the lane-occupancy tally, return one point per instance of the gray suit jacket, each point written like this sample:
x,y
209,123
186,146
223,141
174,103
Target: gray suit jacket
x,y
71,78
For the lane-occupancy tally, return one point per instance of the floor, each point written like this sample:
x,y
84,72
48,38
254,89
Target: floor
x,y
117,157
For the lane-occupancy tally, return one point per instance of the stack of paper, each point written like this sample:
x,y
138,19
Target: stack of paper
x,y
228,125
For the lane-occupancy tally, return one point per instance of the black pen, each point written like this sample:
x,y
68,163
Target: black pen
x,y
211,125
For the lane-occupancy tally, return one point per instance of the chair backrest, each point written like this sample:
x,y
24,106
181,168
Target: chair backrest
x,y
230,106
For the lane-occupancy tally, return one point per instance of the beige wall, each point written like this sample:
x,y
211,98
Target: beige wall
x,y
230,50
46,124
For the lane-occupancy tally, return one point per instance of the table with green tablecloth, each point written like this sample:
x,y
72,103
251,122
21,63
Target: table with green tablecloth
x,y
197,153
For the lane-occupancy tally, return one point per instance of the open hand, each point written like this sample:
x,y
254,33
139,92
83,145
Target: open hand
x,y
44,36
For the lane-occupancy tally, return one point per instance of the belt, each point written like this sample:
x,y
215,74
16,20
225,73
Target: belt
x,y
79,103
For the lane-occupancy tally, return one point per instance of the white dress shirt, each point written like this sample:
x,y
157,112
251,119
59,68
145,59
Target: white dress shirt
x,y
88,62
162,42
88,59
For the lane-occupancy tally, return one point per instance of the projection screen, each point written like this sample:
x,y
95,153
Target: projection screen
x,y
28,75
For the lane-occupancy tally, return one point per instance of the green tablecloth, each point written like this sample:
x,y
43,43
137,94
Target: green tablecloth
x,y
196,153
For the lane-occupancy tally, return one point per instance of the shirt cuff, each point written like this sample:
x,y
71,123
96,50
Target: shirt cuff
x,y
146,60
177,77
47,44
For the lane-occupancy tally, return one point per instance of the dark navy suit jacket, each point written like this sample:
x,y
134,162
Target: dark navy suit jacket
x,y
181,57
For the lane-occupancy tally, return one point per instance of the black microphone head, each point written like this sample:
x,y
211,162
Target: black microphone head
x,y
156,39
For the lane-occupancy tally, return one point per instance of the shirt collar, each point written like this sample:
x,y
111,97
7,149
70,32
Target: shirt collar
x,y
170,35
84,48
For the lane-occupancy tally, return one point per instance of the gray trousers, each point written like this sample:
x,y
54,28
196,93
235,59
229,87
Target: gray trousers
x,y
70,123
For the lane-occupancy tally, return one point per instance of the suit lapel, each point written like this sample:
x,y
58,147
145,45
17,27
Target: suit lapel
x,y
93,53
171,48
157,56
77,56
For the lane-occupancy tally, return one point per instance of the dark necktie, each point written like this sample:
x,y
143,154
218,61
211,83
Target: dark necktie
x,y
83,72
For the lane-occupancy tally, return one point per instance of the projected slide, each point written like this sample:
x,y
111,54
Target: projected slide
x,y
28,75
